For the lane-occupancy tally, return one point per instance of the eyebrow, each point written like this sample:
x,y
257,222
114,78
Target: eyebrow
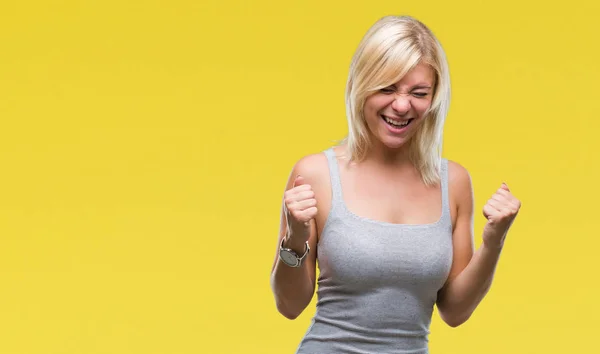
x,y
417,87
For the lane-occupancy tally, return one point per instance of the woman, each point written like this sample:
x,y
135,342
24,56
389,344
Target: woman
x,y
389,220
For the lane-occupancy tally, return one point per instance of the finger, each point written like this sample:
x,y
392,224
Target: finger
x,y
502,209
302,195
292,194
498,206
516,203
298,181
510,199
304,216
505,187
302,188
501,198
489,211
303,204
504,192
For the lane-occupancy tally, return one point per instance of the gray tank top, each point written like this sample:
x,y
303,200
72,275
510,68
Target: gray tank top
x,y
378,281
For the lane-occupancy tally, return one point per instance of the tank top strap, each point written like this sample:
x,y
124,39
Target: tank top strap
x,y
445,190
334,175
336,186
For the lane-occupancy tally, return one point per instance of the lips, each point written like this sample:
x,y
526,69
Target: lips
x,y
397,123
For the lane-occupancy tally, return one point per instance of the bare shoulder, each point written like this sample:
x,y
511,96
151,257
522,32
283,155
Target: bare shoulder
x,y
312,167
459,178
461,194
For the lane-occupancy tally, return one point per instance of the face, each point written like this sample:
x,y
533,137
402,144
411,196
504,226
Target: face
x,y
394,114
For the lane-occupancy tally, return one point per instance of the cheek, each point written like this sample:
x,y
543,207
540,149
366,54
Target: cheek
x,y
370,110
374,105
422,107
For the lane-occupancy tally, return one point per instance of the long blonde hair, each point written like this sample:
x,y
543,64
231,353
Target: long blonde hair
x,y
389,50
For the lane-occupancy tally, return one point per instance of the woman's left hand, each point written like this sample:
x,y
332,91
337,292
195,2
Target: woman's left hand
x,y
500,211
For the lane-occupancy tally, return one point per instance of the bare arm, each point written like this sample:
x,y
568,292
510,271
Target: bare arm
x,y
472,272
293,288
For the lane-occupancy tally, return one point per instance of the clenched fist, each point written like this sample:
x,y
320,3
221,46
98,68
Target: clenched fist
x,y
500,212
300,209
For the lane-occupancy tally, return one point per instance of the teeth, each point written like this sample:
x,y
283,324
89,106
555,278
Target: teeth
x,y
396,122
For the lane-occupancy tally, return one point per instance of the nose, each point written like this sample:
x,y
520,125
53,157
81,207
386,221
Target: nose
x,y
401,104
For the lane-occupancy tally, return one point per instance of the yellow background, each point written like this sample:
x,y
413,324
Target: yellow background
x,y
144,147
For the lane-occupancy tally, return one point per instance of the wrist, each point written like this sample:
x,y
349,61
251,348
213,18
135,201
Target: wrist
x,y
293,254
294,244
494,244
493,239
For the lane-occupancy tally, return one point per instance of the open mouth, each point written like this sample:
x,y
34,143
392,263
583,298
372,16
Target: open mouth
x,y
398,124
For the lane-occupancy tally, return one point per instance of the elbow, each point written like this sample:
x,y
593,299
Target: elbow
x,y
291,303
286,312
455,319
453,314
290,315
284,308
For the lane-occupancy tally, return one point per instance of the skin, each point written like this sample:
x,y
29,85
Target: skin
x,y
371,189
408,99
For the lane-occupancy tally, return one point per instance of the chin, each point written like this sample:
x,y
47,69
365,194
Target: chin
x,y
395,144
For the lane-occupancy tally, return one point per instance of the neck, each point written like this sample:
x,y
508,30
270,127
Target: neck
x,y
383,155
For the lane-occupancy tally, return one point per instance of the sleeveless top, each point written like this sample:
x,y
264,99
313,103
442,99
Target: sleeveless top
x,y
378,281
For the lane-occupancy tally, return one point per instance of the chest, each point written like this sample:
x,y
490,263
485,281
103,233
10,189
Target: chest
x,y
362,254
391,198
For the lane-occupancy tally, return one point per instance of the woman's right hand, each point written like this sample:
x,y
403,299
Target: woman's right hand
x,y
294,287
300,210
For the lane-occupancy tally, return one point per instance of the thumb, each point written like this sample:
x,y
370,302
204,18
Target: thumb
x,y
298,181
505,187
